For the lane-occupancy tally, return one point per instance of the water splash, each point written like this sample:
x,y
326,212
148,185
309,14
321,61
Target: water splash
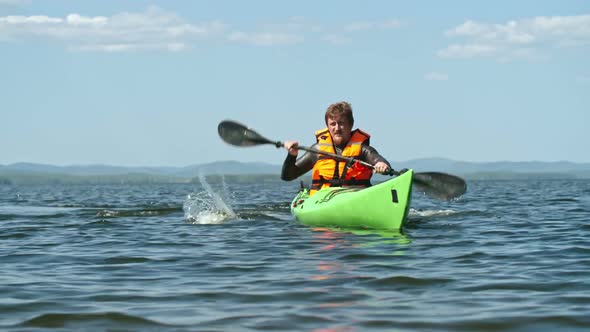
x,y
431,213
208,206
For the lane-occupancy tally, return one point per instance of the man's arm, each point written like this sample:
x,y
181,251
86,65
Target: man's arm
x,y
294,168
370,155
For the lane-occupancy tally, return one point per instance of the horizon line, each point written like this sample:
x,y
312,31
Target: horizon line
x,y
272,164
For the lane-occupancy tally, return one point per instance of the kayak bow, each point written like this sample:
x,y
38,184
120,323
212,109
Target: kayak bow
x,y
383,206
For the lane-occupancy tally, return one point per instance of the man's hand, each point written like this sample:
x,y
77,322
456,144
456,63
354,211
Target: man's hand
x,y
291,147
381,167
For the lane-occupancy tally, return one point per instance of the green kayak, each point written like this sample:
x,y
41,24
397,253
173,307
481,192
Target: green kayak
x,y
382,206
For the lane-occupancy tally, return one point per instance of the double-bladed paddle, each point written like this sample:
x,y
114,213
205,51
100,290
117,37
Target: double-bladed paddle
x,y
436,184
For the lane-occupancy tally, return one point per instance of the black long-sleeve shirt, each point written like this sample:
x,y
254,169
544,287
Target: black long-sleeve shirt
x,y
294,167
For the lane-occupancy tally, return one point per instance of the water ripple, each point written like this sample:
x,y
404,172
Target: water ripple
x,y
510,256
91,320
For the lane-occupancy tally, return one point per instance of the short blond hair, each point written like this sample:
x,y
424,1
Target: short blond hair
x,y
340,109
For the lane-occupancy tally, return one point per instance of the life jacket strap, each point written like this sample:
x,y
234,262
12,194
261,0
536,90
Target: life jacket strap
x,y
317,184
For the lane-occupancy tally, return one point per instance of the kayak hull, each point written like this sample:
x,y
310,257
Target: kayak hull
x,y
382,206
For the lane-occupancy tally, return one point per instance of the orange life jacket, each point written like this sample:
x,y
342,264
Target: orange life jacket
x,y
328,172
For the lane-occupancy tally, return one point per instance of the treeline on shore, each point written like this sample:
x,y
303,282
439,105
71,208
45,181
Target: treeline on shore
x,y
524,176
53,179
133,178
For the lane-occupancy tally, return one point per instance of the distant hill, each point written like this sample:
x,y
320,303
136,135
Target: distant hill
x,y
463,167
42,173
218,167
30,173
228,167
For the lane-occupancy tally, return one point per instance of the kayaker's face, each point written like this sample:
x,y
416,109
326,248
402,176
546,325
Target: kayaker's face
x,y
340,129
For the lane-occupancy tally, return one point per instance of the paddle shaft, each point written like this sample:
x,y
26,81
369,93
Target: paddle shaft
x,y
351,160
435,184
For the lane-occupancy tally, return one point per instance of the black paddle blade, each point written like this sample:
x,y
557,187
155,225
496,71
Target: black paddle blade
x,y
237,134
439,185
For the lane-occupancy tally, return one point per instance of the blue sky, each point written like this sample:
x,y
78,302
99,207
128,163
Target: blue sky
x,y
145,83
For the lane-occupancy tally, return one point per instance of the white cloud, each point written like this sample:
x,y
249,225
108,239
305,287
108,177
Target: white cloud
x,y
359,26
468,50
159,30
14,2
23,20
517,38
266,38
114,48
75,19
299,29
153,29
345,34
436,76
336,39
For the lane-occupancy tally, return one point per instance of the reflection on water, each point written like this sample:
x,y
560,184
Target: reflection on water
x,y
330,239
369,237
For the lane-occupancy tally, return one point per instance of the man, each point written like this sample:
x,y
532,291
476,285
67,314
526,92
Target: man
x,y
337,138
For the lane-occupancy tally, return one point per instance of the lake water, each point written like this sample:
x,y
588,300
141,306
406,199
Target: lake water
x,y
225,256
